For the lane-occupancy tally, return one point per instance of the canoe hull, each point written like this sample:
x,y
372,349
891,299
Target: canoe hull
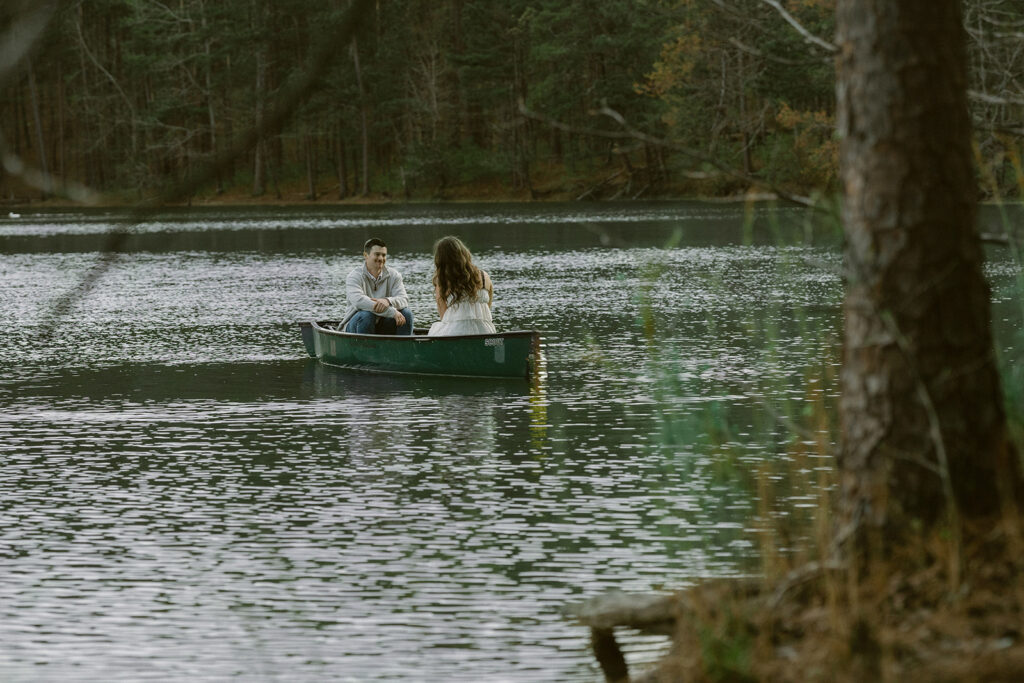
x,y
503,355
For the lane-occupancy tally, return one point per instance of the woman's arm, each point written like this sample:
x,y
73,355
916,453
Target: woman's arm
x,y
489,286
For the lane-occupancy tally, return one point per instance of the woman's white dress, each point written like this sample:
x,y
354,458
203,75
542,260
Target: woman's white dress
x,y
469,316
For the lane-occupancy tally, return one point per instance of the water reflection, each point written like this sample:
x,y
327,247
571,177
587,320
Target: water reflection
x,y
411,228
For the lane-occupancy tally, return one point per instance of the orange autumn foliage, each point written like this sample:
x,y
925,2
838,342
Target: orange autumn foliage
x,y
814,141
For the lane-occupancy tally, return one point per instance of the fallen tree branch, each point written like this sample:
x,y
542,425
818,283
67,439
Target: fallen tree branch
x,y
599,185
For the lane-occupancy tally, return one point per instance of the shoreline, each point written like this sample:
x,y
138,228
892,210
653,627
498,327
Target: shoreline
x,y
241,202
546,188
291,196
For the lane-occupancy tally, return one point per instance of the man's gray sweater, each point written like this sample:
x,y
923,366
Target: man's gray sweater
x,y
361,289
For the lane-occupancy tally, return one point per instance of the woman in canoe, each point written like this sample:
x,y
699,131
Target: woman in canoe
x,y
464,293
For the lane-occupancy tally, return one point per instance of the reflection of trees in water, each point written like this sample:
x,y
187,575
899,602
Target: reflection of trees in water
x,y
424,414
447,425
466,423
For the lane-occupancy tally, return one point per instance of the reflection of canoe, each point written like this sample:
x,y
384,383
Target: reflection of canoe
x,y
505,354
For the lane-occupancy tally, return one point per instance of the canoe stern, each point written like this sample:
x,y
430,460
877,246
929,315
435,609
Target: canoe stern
x,y
309,338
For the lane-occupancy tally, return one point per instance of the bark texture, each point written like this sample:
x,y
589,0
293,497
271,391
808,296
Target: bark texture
x,y
921,409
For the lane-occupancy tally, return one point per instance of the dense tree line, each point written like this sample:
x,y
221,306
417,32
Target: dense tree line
x,y
124,95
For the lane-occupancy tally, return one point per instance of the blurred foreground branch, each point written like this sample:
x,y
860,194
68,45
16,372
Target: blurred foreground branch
x,y
22,23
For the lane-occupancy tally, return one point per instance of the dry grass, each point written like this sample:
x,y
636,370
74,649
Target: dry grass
x,y
901,619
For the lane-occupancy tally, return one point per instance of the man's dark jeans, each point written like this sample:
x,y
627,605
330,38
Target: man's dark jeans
x,y
367,322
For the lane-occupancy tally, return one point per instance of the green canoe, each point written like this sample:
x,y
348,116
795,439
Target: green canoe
x,y
505,354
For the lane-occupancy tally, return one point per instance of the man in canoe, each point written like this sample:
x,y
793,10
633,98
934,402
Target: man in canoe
x,y
377,302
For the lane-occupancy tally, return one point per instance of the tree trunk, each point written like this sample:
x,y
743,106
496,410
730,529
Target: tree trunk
x,y
748,164
61,161
311,170
520,126
276,164
38,120
211,116
355,169
362,119
922,417
341,165
458,89
259,160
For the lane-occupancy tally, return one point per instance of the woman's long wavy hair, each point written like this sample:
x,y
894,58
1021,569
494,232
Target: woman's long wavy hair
x,y
454,273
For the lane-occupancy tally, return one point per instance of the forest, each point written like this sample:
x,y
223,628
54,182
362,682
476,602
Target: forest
x,y
463,99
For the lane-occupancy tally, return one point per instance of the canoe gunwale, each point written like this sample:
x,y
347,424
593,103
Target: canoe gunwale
x,y
319,327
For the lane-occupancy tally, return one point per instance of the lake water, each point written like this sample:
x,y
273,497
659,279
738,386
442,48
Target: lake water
x,y
185,495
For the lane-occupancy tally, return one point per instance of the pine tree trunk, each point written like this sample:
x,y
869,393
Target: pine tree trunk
x,y
921,407
364,126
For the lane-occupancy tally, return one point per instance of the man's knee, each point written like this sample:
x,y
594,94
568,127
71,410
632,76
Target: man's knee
x,y
361,323
407,327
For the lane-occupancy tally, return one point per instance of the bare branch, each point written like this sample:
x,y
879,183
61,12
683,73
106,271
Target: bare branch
x,y
808,36
109,77
989,98
778,60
